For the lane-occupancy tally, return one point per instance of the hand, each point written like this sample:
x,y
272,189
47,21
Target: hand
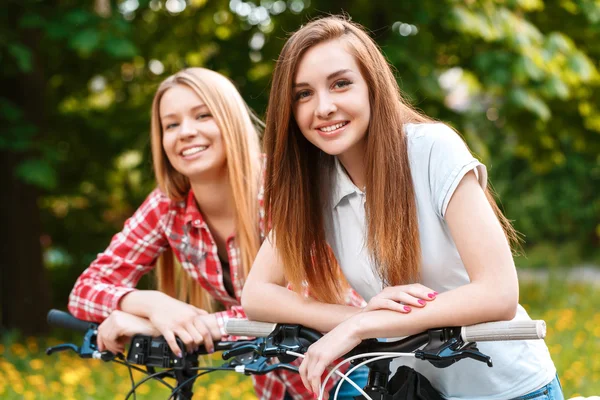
x,y
401,298
176,318
326,350
119,327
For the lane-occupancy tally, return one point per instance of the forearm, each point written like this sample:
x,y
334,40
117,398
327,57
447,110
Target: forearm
x,y
139,302
470,304
270,302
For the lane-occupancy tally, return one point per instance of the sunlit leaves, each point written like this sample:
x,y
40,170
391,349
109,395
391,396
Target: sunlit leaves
x,y
37,172
21,54
86,41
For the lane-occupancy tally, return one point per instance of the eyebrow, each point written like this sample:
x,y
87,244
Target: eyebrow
x,y
329,77
196,108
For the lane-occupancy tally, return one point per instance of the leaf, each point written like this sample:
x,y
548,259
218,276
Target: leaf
x,y
86,41
78,17
29,21
37,172
9,110
120,48
22,55
530,102
582,65
18,137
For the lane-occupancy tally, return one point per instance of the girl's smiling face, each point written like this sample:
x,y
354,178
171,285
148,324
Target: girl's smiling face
x,y
191,138
331,100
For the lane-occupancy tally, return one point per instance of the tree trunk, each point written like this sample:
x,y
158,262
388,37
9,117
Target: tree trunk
x,y
24,289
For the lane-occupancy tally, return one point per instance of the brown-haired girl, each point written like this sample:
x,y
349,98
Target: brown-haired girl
x,y
207,212
402,204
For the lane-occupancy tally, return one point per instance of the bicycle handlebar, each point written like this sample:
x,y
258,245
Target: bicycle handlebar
x,y
65,320
489,331
505,330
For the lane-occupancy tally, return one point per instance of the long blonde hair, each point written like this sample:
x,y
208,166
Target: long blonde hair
x,y
295,170
239,128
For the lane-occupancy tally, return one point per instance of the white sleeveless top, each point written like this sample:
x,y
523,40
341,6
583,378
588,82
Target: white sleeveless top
x,y
439,159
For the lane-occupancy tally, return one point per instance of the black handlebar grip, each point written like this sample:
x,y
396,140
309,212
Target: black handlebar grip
x,y
65,320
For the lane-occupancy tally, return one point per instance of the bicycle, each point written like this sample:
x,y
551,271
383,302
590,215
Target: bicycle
x,y
275,346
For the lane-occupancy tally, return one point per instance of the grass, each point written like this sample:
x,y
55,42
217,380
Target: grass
x,y
571,312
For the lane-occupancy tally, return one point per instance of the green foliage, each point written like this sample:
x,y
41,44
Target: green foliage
x,y
37,172
527,69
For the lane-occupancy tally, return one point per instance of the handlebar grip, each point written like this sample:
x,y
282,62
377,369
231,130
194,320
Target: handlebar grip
x,y
506,330
243,327
65,320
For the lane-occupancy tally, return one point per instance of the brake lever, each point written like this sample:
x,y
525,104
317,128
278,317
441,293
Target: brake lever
x,y
243,349
445,347
62,347
88,348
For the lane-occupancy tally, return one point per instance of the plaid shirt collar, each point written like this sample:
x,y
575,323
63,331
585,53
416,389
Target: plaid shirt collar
x,y
192,212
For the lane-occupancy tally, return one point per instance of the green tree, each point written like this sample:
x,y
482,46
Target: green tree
x,y
518,78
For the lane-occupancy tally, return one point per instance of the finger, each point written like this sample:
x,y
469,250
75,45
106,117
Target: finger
x,y
314,377
100,343
386,304
303,371
185,337
170,338
400,296
200,311
421,291
196,336
206,336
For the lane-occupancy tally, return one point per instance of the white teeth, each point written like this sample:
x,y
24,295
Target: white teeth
x,y
332,128
193,150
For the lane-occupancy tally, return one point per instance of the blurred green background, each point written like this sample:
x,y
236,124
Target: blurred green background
x,y
518,78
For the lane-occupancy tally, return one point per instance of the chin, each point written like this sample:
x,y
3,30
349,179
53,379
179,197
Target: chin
x,y
333,150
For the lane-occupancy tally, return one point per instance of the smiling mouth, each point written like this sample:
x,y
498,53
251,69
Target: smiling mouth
x,y
193,150
332,128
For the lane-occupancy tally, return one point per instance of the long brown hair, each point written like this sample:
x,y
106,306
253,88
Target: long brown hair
x,y
239,128
295,170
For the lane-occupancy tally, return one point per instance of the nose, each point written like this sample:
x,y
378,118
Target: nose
x,y
187,128
326,106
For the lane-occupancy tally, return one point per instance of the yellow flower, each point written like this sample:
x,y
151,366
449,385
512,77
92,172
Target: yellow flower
x,y
18,349
55,387
32,345
29,395
70,377
36,364
36,380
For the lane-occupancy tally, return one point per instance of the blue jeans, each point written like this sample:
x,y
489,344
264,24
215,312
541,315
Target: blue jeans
x,y
552,391
347,391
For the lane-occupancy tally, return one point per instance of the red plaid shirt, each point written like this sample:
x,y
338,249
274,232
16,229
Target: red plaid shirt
x,y
160,223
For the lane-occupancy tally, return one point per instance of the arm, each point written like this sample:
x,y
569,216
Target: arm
x,y
115,272
491,295
108,284
266,298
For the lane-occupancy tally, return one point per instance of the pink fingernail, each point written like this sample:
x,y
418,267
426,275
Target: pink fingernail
x,y
435,293
422,302
407,308
431,295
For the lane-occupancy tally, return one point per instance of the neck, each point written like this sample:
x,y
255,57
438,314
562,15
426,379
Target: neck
x,y
214,196
354,163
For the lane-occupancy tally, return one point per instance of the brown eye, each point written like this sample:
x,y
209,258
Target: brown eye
x,y
301,95
342,84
